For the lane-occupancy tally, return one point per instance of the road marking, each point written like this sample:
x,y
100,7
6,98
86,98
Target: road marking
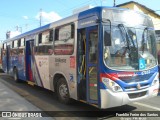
x,y
149,106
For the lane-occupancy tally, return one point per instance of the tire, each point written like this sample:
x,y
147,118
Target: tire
x,y
63,91
15,75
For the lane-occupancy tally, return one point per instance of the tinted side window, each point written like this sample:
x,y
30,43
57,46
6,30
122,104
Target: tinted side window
x,y
45,43
64,40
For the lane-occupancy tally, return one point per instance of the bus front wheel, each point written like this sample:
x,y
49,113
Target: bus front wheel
x,y
63,91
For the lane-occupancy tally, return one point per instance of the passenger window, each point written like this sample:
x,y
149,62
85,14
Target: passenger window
x,y
40,38
45,43
64,40
4,49
51,35
4,46
22,42
15,44
21,46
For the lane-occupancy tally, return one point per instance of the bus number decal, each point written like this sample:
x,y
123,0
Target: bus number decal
x,y
145,72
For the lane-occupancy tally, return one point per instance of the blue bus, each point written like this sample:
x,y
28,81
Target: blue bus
x,y
101,56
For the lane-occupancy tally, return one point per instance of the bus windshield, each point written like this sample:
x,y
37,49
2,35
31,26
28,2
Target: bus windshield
x,y
131,48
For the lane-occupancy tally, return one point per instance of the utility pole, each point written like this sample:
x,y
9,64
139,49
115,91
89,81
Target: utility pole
x,y
40,18
114,4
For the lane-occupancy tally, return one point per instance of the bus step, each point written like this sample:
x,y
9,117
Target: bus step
x,y
83,101
31,83
95,105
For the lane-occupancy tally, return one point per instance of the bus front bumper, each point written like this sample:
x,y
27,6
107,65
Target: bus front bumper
x,y
113,99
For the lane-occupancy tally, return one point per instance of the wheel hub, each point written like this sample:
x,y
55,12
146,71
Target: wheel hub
x,y
63,91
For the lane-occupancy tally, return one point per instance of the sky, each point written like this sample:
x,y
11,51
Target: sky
x,y
23,15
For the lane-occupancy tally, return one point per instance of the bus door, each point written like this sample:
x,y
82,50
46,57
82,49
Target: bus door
x,y
29,57
8,58
87,64
91,63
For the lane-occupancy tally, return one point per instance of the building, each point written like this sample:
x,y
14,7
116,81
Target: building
x,y
141,8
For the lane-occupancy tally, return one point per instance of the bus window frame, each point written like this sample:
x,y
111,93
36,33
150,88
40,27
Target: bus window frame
x,y
4,46
21,47
56,36
39,37
43,43
20,41
15,42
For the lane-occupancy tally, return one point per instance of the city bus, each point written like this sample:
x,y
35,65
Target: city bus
x,y
103,56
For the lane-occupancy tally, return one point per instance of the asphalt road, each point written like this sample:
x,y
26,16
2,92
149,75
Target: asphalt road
x,y
47,101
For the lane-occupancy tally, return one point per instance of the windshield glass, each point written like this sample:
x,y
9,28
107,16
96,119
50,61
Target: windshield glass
x,y
129,17
131,48
147,47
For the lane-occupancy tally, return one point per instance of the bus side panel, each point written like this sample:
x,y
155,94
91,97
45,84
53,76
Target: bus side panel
x,y
21,67
4,63
13,63
41,71
16,61
66,66
5,59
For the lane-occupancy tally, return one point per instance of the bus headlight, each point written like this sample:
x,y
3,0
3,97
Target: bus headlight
x,y
154,82
112,85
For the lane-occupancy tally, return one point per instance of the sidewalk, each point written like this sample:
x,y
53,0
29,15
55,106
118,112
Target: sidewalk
x,y
11,101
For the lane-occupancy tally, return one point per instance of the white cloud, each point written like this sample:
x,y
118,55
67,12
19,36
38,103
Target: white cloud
x,y
48,17
25,17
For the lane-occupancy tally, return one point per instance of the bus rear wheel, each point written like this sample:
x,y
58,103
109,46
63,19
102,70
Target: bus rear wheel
x,y
63,91
15,75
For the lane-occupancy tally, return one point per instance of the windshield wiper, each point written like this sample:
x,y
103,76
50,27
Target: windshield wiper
x,y
125,39
128,38
133,52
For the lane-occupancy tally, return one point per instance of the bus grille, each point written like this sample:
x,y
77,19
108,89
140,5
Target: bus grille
x,y
134,88
136,95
